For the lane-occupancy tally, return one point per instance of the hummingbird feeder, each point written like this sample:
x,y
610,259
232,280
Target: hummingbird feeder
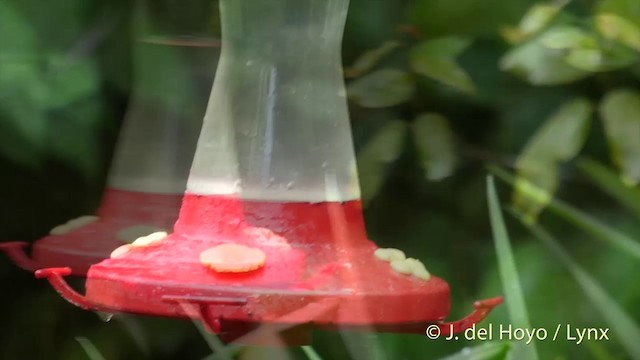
x,y
151,162
271,230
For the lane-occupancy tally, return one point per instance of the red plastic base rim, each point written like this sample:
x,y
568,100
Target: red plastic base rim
x,y
81,248
291,329
368,290
320,269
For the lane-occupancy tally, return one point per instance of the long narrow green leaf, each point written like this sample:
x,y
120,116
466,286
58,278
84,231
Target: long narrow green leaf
x,y
90,349
311,353
363,345
265,353
584,221
597,228
599,351
220,351
558,140
515,302
610,183
232,350
626,330
138,335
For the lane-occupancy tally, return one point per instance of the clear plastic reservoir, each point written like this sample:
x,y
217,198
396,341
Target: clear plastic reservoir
x,y
277,124
160,130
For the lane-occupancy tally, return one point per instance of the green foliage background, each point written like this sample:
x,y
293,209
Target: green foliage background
x,y
438,89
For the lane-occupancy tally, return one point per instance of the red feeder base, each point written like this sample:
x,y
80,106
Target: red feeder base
x,y
328,277
80,248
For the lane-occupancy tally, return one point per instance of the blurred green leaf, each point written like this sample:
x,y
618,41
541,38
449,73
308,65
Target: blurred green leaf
x,y
629,9
514,297
73,138
610,182
468,17
581,48
90,349
23,76
132,326
231,351
566,37
620,112
370,59
363,345
540,65
546,288
383,148
445,47
16,34
618,29
212,340
599,351
616,56
311,353
539,16
23,123
589,224
584,51
586,59
536,19
70,80
382,88
436,59
435,143
32,83
23,127
20,59
265,353
558,140
488,351
626,330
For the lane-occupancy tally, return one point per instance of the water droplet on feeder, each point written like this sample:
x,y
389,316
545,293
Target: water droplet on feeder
x,y
290,185
104,316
